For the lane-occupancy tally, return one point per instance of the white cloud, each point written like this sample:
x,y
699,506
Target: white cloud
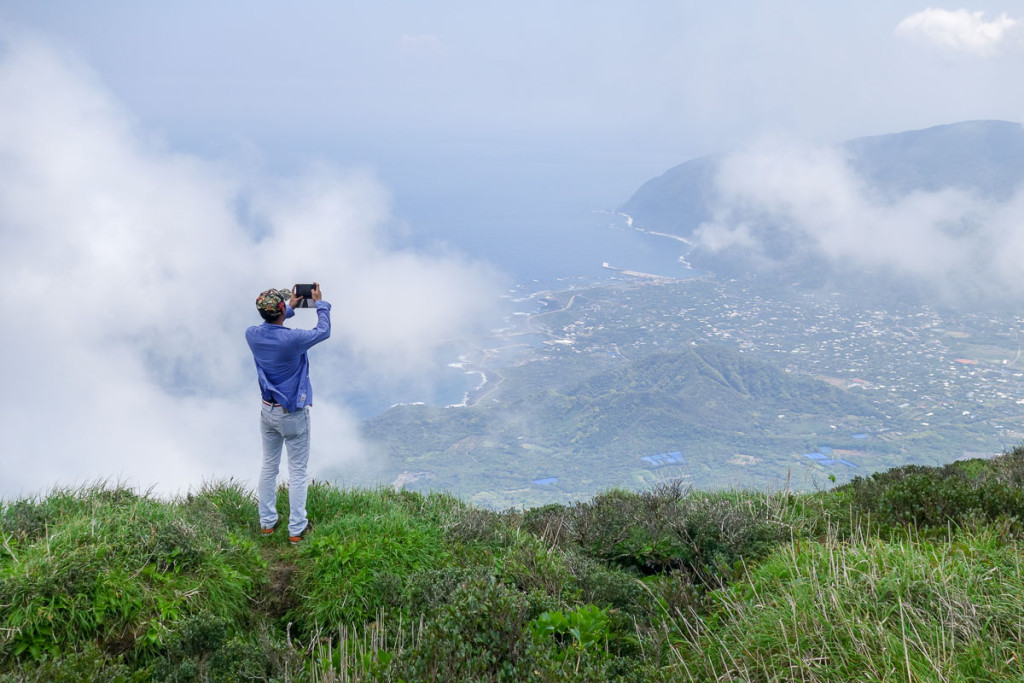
x,y
130,280
812,194
960,30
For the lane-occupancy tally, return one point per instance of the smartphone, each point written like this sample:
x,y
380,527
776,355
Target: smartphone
x,y
306,293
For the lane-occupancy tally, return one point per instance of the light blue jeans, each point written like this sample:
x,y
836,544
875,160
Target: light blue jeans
x,y
277,429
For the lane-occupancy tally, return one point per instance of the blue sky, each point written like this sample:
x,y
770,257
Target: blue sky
x,y
153,153
645,85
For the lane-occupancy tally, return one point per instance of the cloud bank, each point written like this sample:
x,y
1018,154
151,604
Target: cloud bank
x,y
131,272
960,30
949,238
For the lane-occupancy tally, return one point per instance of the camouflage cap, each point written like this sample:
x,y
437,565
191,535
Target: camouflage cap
x,y
273,301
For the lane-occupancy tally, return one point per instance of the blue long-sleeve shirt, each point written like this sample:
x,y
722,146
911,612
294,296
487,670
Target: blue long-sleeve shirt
x,y
282,366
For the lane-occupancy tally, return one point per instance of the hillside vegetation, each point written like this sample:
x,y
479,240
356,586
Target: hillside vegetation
x,y
588,418
914,574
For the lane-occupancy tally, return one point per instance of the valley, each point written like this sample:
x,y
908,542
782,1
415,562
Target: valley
x,y
753,383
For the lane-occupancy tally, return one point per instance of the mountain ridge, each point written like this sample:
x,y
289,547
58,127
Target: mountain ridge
x,y
981,156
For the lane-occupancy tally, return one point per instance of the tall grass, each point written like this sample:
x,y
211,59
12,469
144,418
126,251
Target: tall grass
x,y
911,575
864,609
110,565
119,570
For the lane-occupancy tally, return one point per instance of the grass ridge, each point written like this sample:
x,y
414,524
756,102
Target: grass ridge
x,y
914,574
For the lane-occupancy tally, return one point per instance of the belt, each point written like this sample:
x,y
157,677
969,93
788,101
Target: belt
x,y
272,404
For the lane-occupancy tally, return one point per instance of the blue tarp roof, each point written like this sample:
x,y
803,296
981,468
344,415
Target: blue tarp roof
x,y
661,459
825,460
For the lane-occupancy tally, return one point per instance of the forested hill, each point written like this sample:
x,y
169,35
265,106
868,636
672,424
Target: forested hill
x,y
590,430
706,386
982,157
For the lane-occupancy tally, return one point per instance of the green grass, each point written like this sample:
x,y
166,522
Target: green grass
x,y
867,610
909,575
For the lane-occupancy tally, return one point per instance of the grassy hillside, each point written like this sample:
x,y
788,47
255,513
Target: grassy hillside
x,y
910,575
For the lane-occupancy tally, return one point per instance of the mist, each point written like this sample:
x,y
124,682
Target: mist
x,y
948,239
131,271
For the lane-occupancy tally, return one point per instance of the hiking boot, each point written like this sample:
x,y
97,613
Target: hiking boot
x,y
295,540
266,531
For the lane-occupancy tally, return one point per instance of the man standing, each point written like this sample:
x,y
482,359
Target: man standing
x,y
282,368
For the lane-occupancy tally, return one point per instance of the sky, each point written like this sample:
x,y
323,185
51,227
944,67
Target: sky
x,y
160,164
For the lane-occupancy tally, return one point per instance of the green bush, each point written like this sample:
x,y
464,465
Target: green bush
x,y
934,497
491,632
1009,467
666,529
530,565
117,570
74,666
584,628
203,649
428,590
617,588
24,520
479,526
552,523
481,635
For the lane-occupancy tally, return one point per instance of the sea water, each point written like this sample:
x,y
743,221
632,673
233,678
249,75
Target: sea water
x,y
546,225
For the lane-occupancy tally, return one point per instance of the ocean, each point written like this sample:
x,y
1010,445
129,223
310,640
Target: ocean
x,y
544,223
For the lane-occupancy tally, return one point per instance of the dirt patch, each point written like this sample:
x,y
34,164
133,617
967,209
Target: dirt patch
x,y
744,460
280,596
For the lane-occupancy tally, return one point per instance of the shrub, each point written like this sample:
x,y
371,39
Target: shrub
x,y
614,587
480,526
584,628
74,666
492,632
481,635
553,523
430,589
530,565
23,520
666,529
933,497
202,649
121,571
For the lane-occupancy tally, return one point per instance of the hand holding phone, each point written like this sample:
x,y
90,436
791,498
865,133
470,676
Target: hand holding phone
x,y
306,294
